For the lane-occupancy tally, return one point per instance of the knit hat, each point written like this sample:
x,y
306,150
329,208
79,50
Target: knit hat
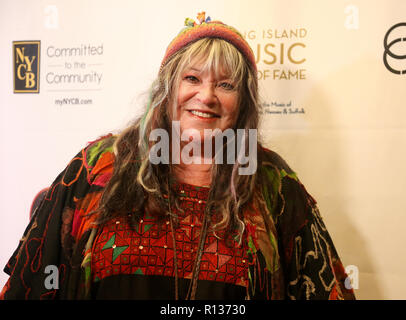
x,y
209,29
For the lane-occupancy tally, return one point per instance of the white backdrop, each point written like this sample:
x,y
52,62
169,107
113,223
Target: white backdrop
x,y
332,108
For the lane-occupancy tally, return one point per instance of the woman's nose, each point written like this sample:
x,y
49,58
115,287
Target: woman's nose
x,y
207,94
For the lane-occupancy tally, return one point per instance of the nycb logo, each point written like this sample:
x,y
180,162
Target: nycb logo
x,y
26,59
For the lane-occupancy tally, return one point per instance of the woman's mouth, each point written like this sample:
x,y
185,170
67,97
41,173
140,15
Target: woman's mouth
x,y
202,114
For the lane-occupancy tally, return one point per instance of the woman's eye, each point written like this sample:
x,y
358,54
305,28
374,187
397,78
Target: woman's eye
x,y
191,79
226,85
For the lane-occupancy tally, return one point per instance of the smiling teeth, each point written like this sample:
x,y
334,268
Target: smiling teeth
x,y
202,114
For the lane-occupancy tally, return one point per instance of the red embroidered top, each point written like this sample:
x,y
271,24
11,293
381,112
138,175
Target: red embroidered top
x,y
147,249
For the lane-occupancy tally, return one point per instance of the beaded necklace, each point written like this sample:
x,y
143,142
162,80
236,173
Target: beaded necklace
x,y
191,294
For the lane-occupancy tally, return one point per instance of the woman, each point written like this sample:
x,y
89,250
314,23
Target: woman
x,y
135,217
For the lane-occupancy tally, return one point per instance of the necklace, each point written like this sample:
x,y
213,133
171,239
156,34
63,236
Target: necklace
x,y
191,294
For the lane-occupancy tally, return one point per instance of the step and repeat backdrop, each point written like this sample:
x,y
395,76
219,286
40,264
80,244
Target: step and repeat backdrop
x,y
333,85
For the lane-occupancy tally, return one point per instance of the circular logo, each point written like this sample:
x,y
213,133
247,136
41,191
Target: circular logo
x,y
388,51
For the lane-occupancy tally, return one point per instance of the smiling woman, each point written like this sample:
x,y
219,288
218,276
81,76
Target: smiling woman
x,y
126,227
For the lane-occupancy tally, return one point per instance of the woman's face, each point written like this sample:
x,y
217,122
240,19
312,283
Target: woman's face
x,y
205,101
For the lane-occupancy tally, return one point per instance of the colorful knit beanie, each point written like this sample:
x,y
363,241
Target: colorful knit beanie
x,y
209,29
